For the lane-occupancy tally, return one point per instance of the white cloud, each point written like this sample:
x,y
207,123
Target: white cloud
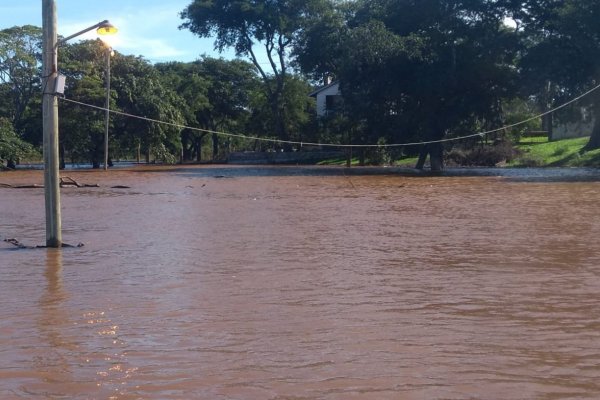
x,y
149,28
150,31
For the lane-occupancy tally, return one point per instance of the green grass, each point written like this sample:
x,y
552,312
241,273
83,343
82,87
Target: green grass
x,y
403,162
534,152
407,162
538,152
338,162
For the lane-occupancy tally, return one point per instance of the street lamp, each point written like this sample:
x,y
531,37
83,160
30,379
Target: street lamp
x,y
107,29
51,87
109,52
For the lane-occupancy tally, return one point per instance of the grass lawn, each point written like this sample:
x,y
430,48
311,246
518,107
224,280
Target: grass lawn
x,y
538,152
406,162
534,152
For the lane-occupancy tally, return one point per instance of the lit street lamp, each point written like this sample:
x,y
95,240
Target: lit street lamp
x,y
106,30
53,85
109,53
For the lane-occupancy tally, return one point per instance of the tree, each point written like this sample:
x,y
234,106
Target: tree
x,y
140,91
20,60
136,88
216,94
320,48
420,70
247,24
298,115
562,57
187,81
82,129
11,146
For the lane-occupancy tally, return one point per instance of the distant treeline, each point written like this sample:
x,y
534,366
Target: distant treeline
x,y
408,70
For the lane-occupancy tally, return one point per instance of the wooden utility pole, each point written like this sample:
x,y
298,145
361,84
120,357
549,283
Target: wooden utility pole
x,y
50,125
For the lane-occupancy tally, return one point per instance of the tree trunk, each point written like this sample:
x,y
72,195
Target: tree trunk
x,y
436,156
361,156
422,157
349,157
547,125
280,124
594,142
198,150
215,149
198,147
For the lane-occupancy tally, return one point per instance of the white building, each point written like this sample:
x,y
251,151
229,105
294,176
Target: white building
x,y
580,123
328,97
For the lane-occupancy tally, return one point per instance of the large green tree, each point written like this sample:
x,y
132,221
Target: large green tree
x,y
189,83
254,28
136,89
12,147
216,94
20,55
82,129
141,91
562,52
418,70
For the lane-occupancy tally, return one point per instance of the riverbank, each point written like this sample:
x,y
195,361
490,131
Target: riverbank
x,y
530,152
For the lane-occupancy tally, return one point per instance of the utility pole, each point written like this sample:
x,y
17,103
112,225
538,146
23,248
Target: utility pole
x,y
50,115
50,125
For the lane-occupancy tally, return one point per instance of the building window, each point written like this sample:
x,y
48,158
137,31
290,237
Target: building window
x,y
333,103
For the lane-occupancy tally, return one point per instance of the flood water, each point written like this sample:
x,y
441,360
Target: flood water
x,y
303,283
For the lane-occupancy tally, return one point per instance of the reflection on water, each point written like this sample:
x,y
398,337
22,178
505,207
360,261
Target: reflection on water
x,y
53,323
51,302
304,283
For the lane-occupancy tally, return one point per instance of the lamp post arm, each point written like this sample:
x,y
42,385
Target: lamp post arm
x,y
98,25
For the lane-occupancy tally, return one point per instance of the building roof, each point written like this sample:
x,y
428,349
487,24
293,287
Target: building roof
x,y
316,92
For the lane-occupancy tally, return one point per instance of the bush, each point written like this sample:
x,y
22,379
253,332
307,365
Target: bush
x,y
12,148
530,161
483,155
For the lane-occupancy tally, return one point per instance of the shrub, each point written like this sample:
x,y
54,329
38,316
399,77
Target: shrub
x,y
12,148
482,156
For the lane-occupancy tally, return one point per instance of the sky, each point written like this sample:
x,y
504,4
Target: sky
x,y
147,28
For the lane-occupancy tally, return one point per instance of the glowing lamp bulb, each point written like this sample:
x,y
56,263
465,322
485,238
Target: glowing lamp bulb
x,y
107,29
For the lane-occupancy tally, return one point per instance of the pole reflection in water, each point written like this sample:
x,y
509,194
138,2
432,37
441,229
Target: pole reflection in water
x,y
53,325
54,294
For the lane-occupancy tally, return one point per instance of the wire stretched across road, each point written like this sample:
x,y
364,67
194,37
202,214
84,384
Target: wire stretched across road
x,y
301,143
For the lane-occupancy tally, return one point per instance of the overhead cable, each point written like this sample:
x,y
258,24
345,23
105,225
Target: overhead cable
x,y
302,143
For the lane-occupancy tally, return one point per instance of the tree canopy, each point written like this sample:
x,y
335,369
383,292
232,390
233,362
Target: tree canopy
x,y
253,28
416,70
409,71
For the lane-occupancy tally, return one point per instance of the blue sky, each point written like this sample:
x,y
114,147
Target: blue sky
x,y
146,27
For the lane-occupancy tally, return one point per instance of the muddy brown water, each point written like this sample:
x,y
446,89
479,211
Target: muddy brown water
x,y
303,283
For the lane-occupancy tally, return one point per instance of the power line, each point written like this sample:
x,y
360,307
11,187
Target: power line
x,y
301,143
